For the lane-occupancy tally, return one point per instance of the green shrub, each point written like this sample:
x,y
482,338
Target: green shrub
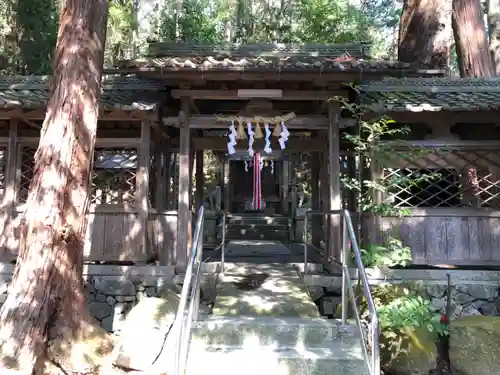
x,y
391,254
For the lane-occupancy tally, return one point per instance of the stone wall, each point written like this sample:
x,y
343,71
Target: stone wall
x,y
111,290
473,292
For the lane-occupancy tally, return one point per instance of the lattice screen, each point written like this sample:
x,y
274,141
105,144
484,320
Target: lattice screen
x,y
445,178
113,180
27,165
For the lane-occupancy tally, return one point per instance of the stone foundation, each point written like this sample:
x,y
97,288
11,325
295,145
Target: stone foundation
x,y
111,291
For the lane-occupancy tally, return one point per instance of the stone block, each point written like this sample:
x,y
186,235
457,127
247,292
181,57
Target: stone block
x,y
114,287
100,310
144,330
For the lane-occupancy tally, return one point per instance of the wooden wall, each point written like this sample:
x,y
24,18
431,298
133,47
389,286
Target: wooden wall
x,y
447,236
115,232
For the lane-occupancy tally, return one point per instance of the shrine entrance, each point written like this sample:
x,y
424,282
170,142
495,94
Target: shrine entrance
x,y
243,178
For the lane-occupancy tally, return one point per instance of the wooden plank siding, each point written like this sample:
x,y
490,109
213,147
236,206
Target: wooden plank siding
x,y
447,236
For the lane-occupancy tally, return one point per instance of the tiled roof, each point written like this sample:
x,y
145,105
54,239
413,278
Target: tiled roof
x,y
431,94
341,57
126,93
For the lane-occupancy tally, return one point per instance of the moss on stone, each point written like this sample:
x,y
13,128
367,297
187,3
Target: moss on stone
x,y
475,345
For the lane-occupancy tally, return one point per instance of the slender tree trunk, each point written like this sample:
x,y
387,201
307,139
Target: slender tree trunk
x,y
425,33
473,54
494,32
45,317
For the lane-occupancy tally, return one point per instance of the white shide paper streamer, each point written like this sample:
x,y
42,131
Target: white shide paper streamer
x,y
250,139
232,139
283,135
267,147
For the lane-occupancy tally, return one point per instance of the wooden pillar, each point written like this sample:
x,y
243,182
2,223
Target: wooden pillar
x,y
191,170
334,193
286,181
226,179
10,196
142,183
376,172
183,211
200,179
324,192
315,197
160,172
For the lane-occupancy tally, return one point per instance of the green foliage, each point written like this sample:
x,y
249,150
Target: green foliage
x,y
402,308
381,142
28,32
368,148
391,254
257,21
405,314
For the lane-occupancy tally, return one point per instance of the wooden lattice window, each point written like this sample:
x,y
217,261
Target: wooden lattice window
x,y
446,178
27,170
114,175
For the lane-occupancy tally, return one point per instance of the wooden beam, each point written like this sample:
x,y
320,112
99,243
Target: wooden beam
x,y
209,122
334,250
220,144
104,114
142,184
184,212
233,94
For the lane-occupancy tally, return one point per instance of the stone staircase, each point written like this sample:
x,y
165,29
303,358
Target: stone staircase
x,y
256,226
264,322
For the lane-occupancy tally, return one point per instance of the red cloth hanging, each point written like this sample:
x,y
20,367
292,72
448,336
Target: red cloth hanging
x,y
257,191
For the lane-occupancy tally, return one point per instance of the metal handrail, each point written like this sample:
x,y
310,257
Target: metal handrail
x,y
190,288
223,243
350,243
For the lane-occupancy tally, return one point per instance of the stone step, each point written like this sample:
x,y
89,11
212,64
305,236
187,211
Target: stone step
x,y
249,233
333,360
264,294
235,268
258,226
292,332
257,219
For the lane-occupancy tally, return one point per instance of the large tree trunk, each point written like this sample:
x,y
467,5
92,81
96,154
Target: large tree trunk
x,y
45,316
494,32
425,33
474,60
471,42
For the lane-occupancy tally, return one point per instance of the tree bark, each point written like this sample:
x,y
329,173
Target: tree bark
x,y
45,319
494,33
425,33
471,42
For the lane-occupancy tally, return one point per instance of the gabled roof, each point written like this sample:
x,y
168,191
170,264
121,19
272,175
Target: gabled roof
x,y
125,93
431,94
282,57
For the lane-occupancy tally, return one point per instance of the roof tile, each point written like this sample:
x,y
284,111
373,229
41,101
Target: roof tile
x,y
431,94
126,93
